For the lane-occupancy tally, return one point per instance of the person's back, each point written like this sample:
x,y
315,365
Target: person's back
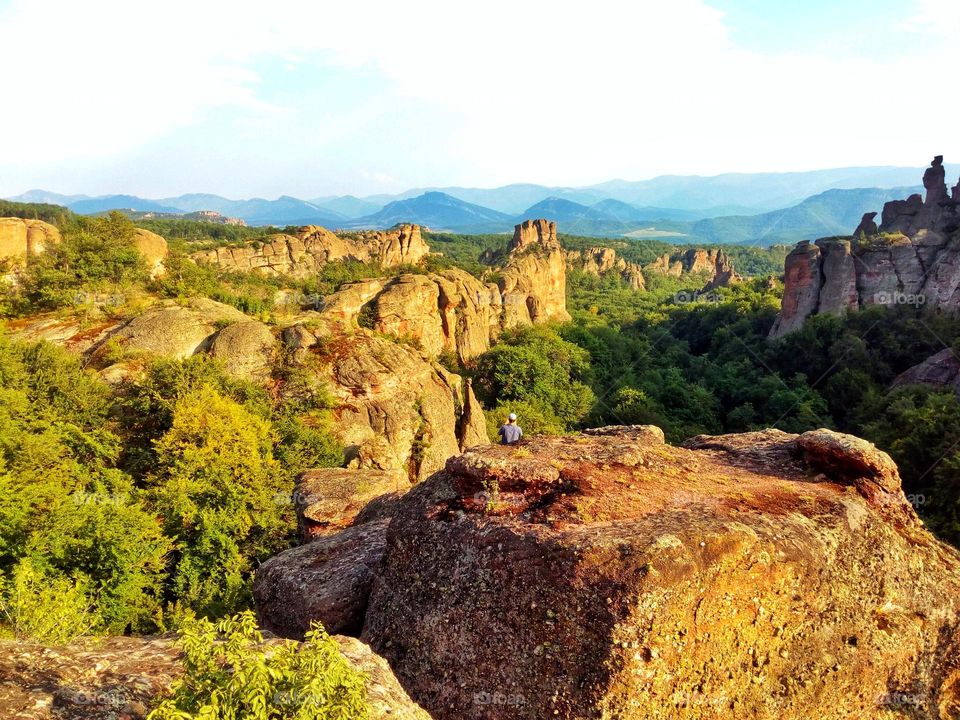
x,y
510,432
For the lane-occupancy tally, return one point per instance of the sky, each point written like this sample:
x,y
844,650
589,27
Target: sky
x,y
316,98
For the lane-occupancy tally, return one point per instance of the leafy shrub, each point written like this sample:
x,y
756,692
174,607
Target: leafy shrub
x,y
44,608
216,486
230,674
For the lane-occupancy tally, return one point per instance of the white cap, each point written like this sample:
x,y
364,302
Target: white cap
x,y
512,416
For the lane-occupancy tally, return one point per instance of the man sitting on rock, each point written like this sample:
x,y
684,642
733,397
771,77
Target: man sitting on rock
x,y
510,433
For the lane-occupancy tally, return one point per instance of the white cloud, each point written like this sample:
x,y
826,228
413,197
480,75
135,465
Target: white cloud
x,y
539,91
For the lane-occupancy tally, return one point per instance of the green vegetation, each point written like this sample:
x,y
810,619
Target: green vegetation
x,y
230,673
53,214
138,503
205,234
537,374
97,256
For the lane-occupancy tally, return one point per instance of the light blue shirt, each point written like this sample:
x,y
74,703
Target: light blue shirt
x,y
510,433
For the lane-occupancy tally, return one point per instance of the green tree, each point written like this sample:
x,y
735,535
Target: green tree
x,y
216,487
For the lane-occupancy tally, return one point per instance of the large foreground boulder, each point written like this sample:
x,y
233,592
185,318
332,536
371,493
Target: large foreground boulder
x,y
610,575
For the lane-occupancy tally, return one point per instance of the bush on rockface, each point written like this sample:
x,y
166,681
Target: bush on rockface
x,y
229,674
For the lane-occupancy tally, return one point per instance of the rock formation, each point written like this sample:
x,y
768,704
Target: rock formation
x,y
117,678
397,409
913,257
22,238
452,311
329,499
154,250
533,283
313,247
714,265
601,261
763,575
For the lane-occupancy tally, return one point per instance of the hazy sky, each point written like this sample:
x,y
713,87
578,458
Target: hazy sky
x,y
314,98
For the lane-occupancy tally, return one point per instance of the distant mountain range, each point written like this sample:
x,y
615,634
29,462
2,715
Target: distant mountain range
x,y
761,208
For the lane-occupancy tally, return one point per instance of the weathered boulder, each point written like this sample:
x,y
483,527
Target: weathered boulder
x,y
301,255
763,575
396,408
329,499
246,348
170,330
118,678
154,250
327,580
21,238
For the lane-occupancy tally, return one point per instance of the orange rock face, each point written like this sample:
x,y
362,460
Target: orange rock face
x,y
21,238
313,247
763,575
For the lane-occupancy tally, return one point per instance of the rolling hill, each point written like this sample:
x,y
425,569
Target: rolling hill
x,y
438,211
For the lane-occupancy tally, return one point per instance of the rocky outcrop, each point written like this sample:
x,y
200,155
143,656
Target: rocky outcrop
x,y
603,261
396,409
867,226
452,311
301,255
169,330
801,291
533,283
327,580
329,499
941,370
760,575
713,265
913,258
154,250
21,238
118,678
246,348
